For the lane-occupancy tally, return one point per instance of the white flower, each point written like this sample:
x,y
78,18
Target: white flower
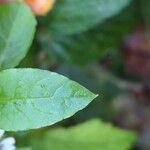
x,y
6,143
1,133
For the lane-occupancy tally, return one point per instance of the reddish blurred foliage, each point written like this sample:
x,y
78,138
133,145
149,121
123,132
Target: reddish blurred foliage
x,y
136,52
5,1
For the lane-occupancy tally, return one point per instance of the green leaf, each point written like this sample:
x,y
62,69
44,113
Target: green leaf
x,y
17,27
33,98
73,16
94,44
92,135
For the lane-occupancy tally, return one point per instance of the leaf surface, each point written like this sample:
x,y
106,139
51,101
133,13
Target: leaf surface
x,y
33,98
17,27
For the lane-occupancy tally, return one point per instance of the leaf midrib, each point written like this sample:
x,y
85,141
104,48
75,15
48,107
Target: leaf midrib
x,y
34,98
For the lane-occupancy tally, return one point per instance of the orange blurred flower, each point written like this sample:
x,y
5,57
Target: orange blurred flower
x,y
40,7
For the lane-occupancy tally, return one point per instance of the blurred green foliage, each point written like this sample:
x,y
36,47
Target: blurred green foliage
x,y
92,135
73,16
86,47
83,41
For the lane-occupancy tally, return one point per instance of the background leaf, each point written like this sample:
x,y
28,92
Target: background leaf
x,y
73,16
32,98
17,27
94,44
92,135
